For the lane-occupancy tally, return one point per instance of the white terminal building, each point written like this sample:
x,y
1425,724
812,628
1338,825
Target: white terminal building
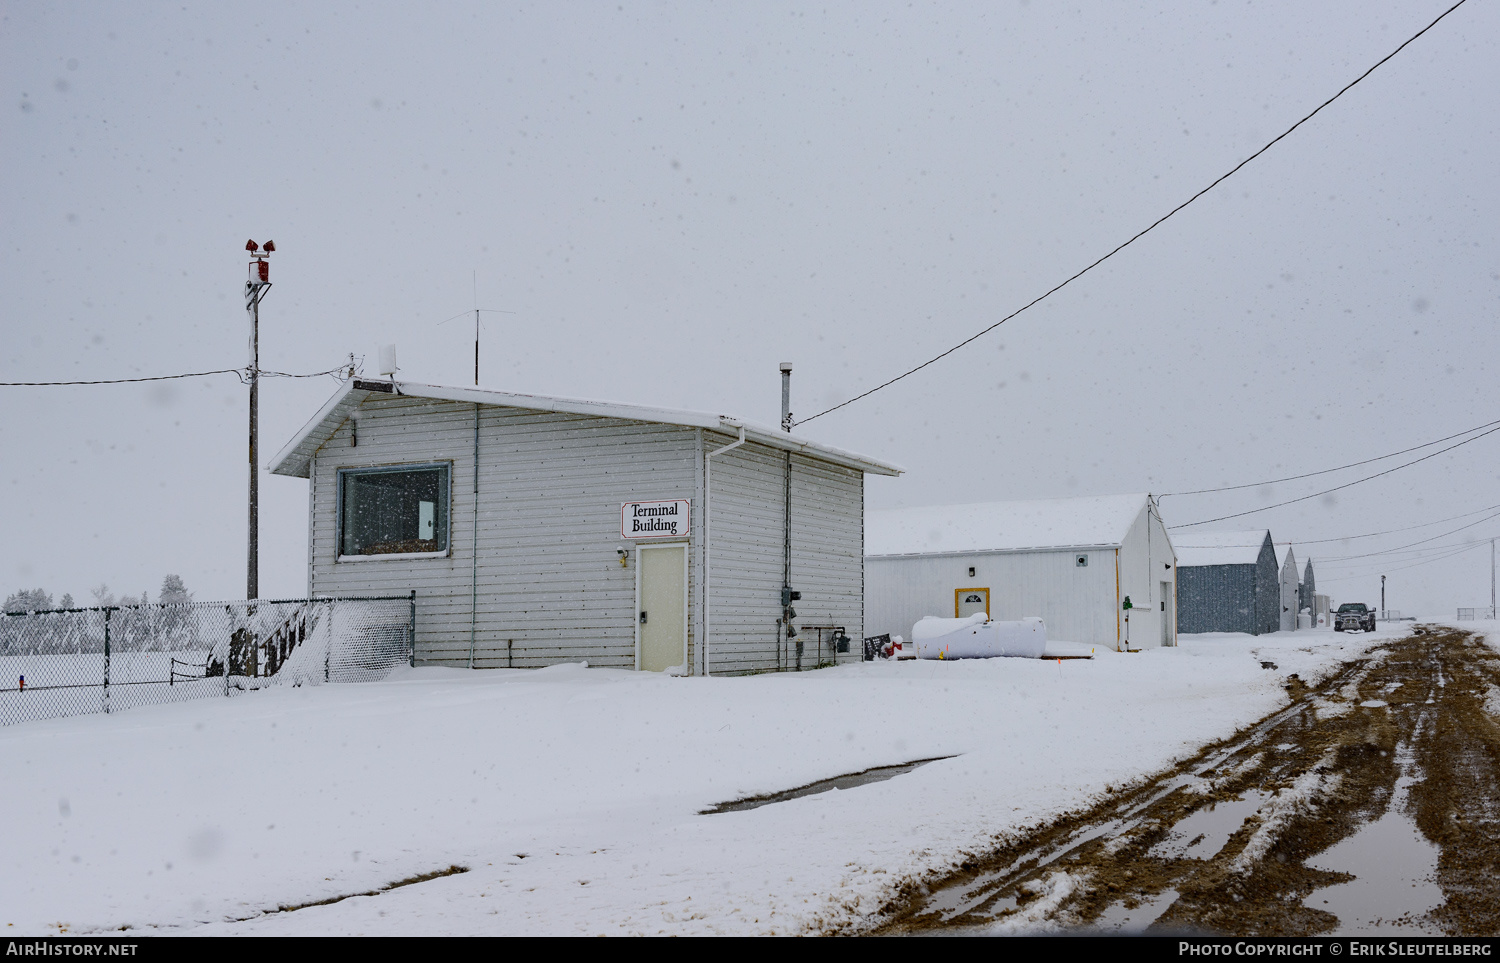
x,y
1071,561
539,530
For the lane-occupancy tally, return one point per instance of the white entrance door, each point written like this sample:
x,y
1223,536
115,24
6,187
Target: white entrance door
x,y
967,601
1168,613
661,607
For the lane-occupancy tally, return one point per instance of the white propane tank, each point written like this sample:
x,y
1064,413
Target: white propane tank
x,y
976,637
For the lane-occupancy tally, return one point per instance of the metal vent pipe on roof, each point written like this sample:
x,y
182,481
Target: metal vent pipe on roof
x,y
786,396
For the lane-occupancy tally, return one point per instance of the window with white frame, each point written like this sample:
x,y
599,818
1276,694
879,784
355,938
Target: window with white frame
x,y
399,510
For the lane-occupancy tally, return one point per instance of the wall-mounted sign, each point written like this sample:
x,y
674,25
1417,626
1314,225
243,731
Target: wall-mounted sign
x,y
655,519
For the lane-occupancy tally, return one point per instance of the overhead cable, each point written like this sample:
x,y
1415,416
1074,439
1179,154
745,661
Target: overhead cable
x,y
1327,491
1140,234
1389,531
1400,548
121,381
1326,471
1402,568
242,373
1407,555
336,372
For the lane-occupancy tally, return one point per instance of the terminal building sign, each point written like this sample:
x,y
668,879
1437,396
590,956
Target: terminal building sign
x,y
655,519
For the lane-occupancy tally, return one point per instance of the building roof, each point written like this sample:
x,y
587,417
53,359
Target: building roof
x,y
1283,550
1219,548
296,457
1099,521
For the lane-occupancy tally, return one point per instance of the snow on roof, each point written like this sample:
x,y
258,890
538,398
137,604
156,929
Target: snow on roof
x,y
1099,521
296,456
1219,548
1282,551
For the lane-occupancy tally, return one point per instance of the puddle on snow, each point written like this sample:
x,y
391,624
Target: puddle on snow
x,y
1393,866
848,781
1202,834
1118,919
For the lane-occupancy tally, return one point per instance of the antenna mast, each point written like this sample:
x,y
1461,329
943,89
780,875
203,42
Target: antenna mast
x,y
477,311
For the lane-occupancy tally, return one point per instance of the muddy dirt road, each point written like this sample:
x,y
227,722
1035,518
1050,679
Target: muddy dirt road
x,y
1371,804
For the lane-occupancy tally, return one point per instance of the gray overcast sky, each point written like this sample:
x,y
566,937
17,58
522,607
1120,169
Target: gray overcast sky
x,y
672,198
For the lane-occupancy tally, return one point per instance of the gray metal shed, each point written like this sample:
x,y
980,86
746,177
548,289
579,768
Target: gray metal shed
x,y
539,530
1227,582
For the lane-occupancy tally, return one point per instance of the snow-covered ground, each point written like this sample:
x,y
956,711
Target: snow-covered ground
x,y
1486,629
572,794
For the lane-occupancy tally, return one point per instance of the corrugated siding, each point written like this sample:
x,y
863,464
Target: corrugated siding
x,y
551,485
1216,598
1267,590
1231,598
827,555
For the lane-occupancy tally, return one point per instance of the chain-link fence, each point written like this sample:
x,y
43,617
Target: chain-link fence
x,y
68,662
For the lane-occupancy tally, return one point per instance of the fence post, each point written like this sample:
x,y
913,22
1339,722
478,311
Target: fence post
x,y
333,607
106,661
412,630
228,648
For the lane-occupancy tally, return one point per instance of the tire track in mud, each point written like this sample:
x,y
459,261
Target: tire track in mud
x,y
1223,842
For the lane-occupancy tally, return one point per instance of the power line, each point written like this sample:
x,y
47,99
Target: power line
x,y
1389,531
336,372
1327,491
1400,548
1403,568
1153,225
1326,471
1408,555
240,372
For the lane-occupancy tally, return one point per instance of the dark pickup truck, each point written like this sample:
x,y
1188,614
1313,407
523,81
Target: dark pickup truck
x,y
1354,616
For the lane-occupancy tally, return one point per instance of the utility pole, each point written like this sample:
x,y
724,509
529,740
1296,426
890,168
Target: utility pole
x,y
788,595
1494,614
255,289
1382,597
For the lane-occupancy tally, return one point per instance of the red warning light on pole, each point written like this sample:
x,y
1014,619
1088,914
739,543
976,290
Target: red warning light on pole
x,y
260,269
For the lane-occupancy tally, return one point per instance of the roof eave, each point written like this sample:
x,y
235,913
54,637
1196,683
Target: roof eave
x,y
1030,550
295,458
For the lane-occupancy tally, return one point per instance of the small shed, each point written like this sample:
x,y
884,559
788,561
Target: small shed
x,y
1308,591
1291,582
1227,582
538,530
1071,561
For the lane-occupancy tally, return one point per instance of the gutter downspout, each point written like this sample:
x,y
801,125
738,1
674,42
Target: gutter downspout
x,y
474,571
708,535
